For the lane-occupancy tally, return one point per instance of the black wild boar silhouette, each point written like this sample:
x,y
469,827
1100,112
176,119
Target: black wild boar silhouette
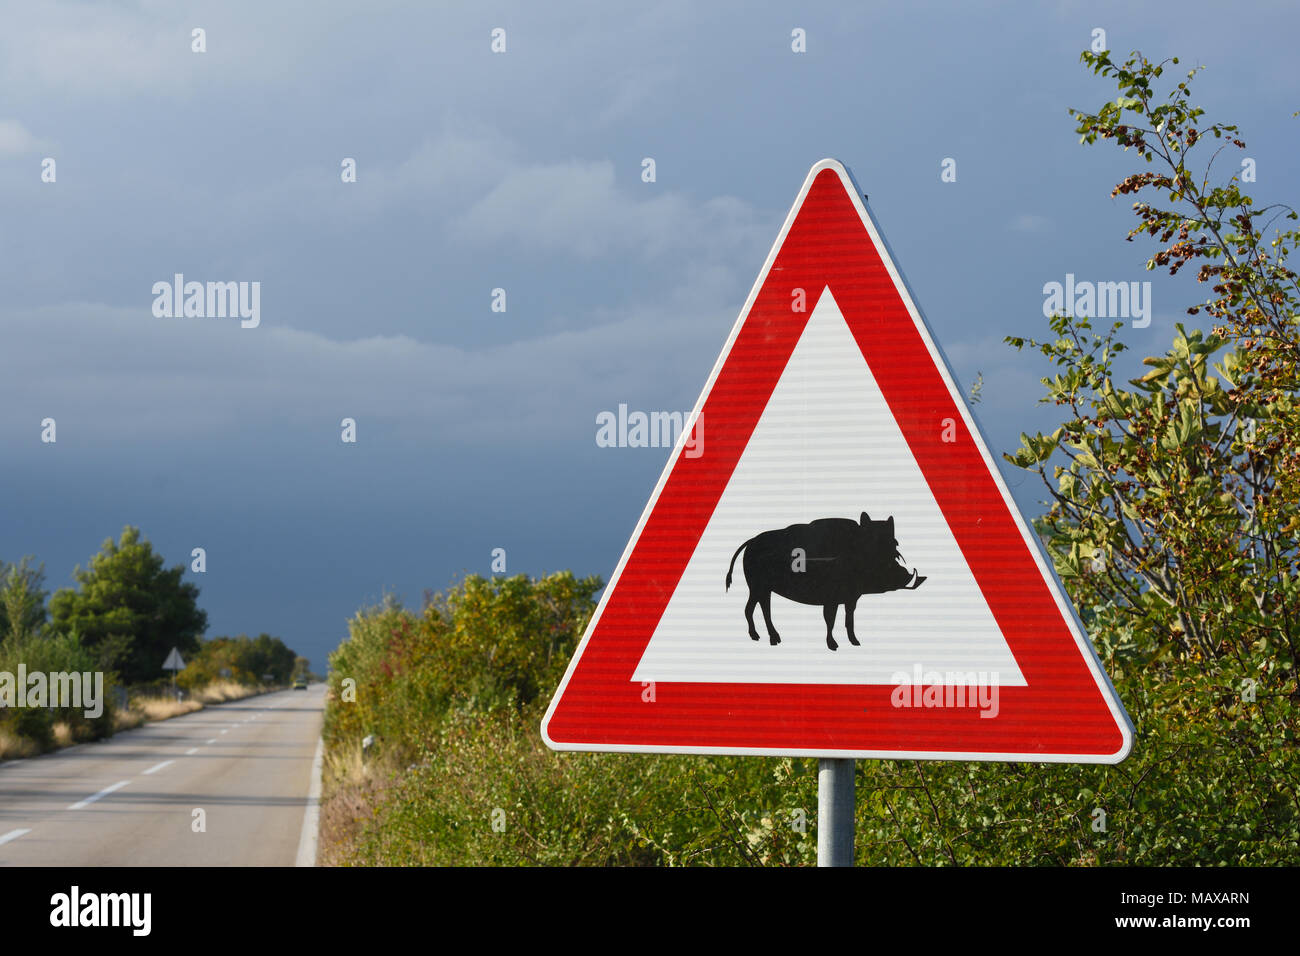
x,y
830,561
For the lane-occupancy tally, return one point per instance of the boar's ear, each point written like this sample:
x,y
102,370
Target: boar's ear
x,y
865,519
889,525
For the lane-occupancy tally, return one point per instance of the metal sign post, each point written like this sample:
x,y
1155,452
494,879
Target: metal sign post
x,y
835,799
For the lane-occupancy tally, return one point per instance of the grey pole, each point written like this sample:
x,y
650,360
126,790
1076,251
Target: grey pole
x,y
835,812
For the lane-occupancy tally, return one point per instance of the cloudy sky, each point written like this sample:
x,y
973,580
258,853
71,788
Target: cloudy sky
x,y
522,171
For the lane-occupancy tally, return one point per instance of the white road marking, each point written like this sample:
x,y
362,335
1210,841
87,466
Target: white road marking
x,y
307,840
212,741
14,835
157,767
192,750
96,796
226,731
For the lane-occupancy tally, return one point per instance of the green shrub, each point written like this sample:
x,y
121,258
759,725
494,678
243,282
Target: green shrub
x,y
52,652
1213,778
483,645
488,792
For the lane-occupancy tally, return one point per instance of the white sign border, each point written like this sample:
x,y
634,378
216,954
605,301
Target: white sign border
x,y
1089,654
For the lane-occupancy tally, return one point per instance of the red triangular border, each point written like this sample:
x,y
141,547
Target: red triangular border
x,y
1068,711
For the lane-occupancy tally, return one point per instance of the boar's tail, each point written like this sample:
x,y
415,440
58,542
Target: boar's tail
x,y
732,565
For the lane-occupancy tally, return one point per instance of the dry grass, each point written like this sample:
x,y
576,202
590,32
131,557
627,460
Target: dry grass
x,y
347,766
13,747
142,709
161,708
353,789
218,692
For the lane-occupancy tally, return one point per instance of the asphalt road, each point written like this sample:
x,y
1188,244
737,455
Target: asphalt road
x,y
130,800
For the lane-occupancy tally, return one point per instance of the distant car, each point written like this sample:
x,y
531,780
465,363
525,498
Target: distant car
x,y
300,683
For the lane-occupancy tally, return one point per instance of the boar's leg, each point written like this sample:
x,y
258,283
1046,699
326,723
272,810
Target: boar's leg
x,y
749,615
828,612
849,608
765,602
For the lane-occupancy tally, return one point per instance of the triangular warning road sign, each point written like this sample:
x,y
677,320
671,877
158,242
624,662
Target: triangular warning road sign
x,y
174,661
763,605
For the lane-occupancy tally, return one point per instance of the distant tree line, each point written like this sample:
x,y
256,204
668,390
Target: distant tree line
x,y
126,613
244,659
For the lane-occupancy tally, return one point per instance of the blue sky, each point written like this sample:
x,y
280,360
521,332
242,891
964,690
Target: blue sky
x,y
522,171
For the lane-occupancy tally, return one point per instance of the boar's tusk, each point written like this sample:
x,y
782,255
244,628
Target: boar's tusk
x,y
916,581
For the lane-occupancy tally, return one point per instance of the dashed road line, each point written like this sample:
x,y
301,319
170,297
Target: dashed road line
x,y
14,835
156,767
96,796
192,750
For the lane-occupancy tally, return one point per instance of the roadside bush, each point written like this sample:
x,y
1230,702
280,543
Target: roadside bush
x,y
488,792
52,652
484,644
1214,777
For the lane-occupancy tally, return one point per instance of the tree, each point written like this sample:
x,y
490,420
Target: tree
x,y
274,657
27,640
131,610
1176,510
242,659
22,600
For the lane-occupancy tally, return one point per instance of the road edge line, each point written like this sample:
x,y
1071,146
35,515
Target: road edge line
x,y
310,837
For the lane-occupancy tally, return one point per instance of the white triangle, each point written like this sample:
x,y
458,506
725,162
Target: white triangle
x,y
827,446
